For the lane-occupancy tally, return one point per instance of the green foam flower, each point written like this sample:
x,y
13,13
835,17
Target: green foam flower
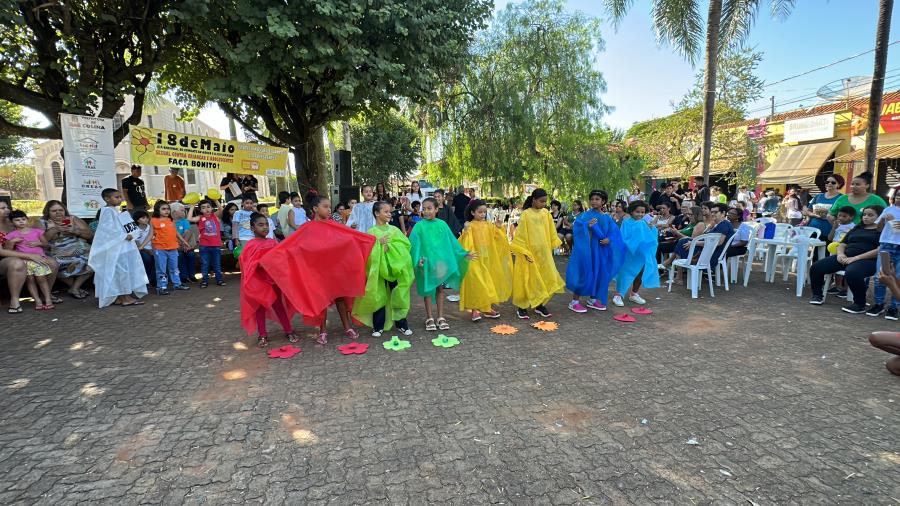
x,y
396,344
445,341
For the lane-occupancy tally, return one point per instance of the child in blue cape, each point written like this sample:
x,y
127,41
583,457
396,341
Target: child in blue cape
x,y
641,241
597,255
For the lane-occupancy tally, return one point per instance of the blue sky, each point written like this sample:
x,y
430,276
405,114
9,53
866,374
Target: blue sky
x,y
643,79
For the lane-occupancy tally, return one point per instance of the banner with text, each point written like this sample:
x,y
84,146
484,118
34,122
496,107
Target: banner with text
x,y
151,146
90,162
809,129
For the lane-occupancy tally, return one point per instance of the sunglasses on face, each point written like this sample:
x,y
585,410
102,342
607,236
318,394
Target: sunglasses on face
x,y
830,182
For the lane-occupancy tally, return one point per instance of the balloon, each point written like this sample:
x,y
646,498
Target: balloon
x,y
214,194
191,198
237,251
832,248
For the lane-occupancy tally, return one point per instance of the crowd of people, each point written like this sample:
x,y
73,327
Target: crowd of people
x,y
367,255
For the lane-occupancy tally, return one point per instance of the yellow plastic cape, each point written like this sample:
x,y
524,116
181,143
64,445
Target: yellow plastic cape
x,y
393,265
488,279
534,283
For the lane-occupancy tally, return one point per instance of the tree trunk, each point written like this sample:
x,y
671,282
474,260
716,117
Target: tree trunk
x,y
309,162
709,86
321,164
881,52
345,133
232,129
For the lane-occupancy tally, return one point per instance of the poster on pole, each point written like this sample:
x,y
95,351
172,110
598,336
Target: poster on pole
x,y
90,162
151,146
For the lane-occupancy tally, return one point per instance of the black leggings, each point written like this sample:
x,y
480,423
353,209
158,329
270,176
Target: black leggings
x,y
379,315
855,274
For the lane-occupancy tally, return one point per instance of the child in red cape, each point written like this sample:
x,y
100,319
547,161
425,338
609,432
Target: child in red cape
x,y
258,292
321,263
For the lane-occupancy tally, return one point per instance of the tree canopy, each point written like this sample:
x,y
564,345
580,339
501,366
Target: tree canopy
x,y
12,147
82,57
285,69
385,147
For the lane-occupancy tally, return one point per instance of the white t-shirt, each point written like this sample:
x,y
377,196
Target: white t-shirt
x,y
362,217
842,230
414,197
743,232
889,234
241,223
140,234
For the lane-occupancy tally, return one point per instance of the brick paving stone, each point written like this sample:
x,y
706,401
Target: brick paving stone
x,y
157,405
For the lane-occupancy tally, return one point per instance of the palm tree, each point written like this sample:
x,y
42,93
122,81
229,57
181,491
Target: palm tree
x,y
679,23
881,50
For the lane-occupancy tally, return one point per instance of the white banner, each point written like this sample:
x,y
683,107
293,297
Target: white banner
x,y
809,129
90,162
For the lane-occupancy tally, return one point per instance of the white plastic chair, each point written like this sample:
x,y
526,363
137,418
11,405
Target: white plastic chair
x,y
734,263
694,271
798,235
760,251
722,262
764,220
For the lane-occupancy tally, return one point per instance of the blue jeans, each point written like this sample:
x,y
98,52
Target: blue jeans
x,y
166,268
147,258
211,256
187,264
880,289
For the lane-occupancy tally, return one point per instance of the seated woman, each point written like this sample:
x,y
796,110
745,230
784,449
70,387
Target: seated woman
x,y
695,226
742,229
69,239
889,341
12,264
856,257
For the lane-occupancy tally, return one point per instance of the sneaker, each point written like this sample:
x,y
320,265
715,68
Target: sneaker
x,y
162,291
522,314
543,311
405,332
833,290
182,287
221,283
817,300
453,298
617,300
890,314
376,333
842,294
596,304
476,315
636,298
875,310
854,308
576,306
491,314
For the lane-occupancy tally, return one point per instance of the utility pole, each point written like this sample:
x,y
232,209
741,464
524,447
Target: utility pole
x,y
772,101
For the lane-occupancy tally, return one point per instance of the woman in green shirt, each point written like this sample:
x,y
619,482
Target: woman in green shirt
x,y
858,197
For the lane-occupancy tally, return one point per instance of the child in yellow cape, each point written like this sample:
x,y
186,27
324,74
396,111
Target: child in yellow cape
x,y
389,277
535,277
488,280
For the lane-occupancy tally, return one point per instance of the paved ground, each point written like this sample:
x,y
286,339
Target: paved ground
x,y
753,397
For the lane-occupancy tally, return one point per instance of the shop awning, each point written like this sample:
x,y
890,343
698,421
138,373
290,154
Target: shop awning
x,y
883,152
798,164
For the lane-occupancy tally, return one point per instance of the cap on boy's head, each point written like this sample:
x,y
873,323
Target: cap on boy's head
x,y
108,192
135,168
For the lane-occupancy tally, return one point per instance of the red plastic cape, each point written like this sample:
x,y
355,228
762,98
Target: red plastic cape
x,y
257,288
322,261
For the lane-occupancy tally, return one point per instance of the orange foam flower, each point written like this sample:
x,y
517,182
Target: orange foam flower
x,y
546,326
504,330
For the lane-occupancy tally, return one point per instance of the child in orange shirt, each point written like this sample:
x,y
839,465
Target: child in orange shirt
x,y
166,240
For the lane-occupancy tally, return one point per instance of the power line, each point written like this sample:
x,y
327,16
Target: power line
x,y
842,60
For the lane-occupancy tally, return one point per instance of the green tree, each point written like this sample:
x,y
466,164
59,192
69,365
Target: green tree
x,y
680,23
528,101
283,70
82,57
19,179
384,147
12,147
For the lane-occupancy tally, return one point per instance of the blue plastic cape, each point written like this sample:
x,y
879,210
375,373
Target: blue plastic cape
x,y
641,242
592,266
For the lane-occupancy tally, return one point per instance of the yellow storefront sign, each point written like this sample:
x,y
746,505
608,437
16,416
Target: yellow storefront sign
x,y
151,146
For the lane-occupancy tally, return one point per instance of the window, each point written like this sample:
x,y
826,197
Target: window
x,y
150,121
191,176
56,168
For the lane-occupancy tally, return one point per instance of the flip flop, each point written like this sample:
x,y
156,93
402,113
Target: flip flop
x,y
624,318
641,310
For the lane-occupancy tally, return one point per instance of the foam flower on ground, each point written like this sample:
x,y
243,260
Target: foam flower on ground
x,y
505,330
284,352
353,348
546,326
443,341
396,344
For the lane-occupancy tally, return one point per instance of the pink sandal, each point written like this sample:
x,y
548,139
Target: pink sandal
x,y
351,333
323,338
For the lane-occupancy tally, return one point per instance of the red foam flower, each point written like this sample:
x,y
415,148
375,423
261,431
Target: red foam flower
x,y
284,352
625,318
353,348
641,310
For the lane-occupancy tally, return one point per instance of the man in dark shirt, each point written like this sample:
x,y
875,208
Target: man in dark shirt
x,y
701,189
460,201
225,187
133,190
445,213
249,185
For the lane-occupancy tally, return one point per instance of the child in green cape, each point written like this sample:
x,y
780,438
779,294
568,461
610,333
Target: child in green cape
x,y
389,276
439,261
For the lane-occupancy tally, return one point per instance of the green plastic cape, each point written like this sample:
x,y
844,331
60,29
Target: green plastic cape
x,y
445,258
382,267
